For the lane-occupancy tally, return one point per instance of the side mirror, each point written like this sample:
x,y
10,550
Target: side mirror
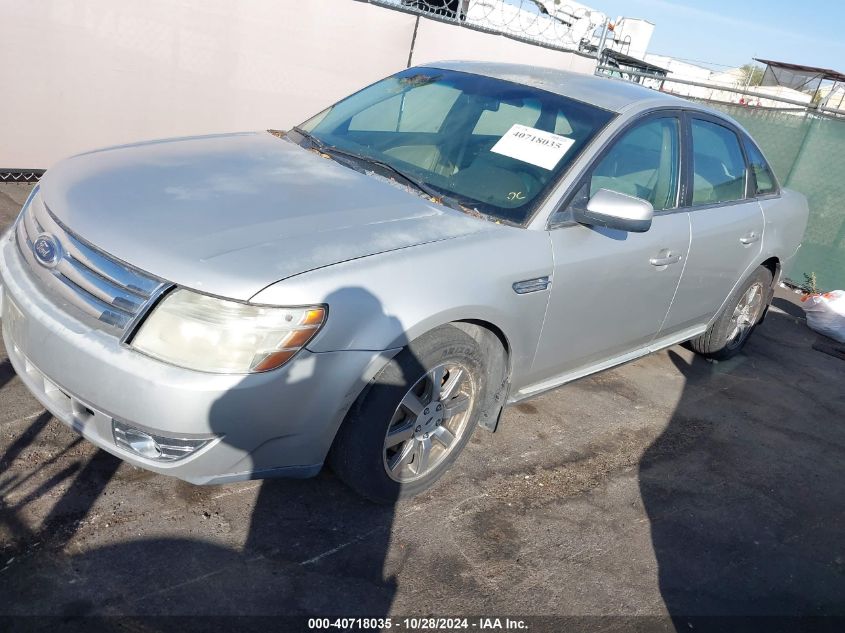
x,y
616,211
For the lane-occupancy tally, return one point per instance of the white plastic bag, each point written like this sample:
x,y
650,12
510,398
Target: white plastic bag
x,y
826,313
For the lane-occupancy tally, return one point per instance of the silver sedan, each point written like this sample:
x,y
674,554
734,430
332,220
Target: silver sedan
x,y
371,286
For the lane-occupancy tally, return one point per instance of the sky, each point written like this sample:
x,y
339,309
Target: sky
x,y
731,33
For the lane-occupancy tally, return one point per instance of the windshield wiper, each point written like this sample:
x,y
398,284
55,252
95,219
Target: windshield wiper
x,y
313,140
420,186
331,149
431,192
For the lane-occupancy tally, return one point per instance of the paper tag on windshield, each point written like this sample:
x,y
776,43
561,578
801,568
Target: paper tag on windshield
x,y
530,145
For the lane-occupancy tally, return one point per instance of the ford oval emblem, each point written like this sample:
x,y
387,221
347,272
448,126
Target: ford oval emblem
x,y
47,250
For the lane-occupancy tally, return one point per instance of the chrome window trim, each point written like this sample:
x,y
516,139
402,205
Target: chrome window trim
x,y
748,141
707,117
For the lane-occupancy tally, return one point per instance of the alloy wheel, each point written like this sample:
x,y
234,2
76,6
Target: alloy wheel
x,y
745,315
429,422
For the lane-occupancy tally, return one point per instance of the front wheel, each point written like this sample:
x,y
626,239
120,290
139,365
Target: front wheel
x,y
418,414
742,312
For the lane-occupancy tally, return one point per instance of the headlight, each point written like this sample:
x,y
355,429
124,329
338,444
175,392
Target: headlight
x,y
208,334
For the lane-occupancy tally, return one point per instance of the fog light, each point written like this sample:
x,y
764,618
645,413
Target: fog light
x,y
140,442
156,447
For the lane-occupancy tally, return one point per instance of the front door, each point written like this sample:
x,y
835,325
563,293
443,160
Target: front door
x,y
611,289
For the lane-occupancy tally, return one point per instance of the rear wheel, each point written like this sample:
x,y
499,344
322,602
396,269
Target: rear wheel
x,y
418,414
730,330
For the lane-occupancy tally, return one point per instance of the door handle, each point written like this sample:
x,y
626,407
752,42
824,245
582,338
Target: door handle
x,y
750,238
665,260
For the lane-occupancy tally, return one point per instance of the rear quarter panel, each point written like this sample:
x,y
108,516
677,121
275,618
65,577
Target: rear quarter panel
x,y
785,221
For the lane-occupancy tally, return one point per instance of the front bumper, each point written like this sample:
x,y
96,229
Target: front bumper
x,y
279,423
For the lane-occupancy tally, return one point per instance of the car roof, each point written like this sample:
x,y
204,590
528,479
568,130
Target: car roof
x,y
604,92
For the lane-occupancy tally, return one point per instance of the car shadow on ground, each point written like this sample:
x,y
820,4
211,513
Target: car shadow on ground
x,y
744,489
6,372
790,307
745,510
313,547
296,562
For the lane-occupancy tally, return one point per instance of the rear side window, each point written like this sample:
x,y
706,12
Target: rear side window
x,y
761,170
718,165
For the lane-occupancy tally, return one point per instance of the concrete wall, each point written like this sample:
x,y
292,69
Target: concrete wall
x,y
79,75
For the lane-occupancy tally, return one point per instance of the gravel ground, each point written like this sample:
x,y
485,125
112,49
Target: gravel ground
x,y
667,487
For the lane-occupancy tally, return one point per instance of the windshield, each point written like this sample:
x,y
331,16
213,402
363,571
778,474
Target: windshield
x,y
491,145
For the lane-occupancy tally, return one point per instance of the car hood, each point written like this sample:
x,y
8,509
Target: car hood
x,y
231,214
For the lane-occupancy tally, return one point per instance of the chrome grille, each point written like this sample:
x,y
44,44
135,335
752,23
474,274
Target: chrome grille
x,y
84,279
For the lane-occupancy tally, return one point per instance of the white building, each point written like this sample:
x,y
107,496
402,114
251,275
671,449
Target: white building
x,y
833,96
731,78
680,69
631,36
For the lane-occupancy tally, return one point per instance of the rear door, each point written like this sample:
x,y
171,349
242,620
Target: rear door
x,y
726,223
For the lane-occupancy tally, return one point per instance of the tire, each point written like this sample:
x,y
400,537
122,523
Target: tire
x,y
360,455
731,329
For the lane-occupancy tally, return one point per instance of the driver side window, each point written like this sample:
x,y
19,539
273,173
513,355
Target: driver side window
x,y
644,163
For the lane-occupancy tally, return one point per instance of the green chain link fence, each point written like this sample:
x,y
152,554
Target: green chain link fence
x,y
807,152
